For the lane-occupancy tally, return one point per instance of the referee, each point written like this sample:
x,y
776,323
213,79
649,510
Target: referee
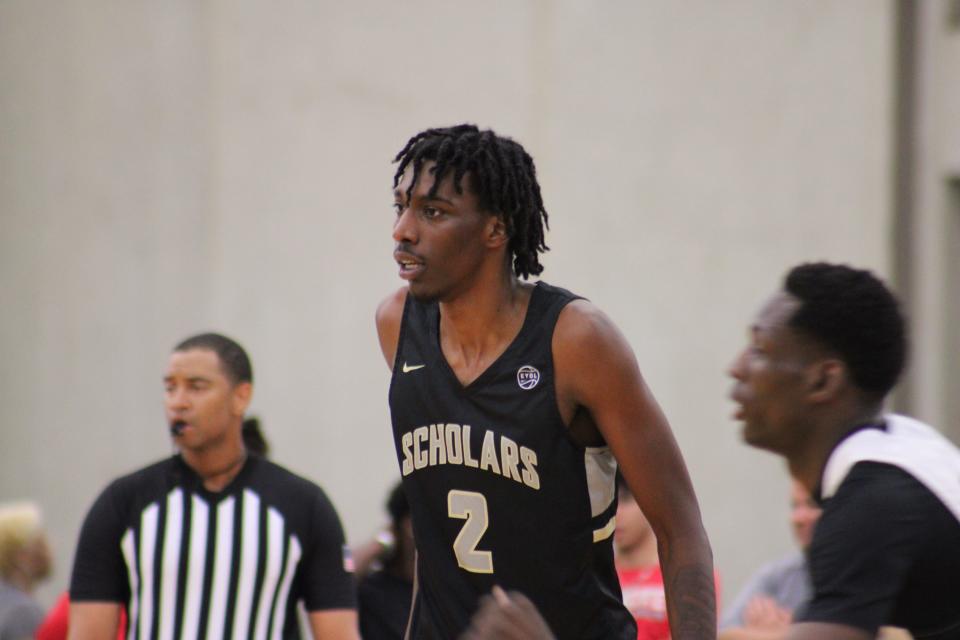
x,y
214,542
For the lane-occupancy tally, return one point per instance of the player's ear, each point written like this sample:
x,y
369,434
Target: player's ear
x,y
496,232
242,394
826,378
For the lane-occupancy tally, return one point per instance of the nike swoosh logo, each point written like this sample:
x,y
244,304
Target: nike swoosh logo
x,y
408,368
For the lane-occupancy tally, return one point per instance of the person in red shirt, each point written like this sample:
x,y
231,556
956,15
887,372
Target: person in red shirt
x,y
638,567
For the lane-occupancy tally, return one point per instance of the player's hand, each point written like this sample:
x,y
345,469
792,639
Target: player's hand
x,y
507,616
763,612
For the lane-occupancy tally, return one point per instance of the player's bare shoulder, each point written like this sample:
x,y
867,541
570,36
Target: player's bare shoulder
x,y
584,331
389,316
588,352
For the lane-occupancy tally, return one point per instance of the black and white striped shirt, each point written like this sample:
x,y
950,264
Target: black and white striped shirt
x,y
189,563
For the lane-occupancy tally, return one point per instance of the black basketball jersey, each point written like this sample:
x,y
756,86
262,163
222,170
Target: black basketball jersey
x,y
499,493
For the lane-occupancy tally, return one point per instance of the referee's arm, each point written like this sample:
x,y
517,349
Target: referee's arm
x,y
330,597
98,581
93,621
336,624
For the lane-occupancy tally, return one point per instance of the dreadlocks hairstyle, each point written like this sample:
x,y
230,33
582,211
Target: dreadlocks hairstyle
x,y
502,176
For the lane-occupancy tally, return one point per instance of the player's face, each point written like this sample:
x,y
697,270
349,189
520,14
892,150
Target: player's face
x,y
202,400
441,241
770,379
632,526
804,513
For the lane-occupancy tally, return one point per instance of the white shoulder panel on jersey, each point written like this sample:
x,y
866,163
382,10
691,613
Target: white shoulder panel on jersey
x,y
909,444
601,469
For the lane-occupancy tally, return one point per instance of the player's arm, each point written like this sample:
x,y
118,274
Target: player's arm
x,y
826,631
747,633
598,373
389,316
93,620
334,624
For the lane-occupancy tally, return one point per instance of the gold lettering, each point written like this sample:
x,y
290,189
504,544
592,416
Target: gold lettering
x,y
454,445
488,454
467,460
437,452
420,434
509,458
405,443
529,473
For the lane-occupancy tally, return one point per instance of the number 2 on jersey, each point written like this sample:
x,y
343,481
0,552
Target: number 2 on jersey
x,y
472,507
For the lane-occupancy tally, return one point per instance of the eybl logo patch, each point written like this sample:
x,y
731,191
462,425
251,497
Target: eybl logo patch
x,y
527,377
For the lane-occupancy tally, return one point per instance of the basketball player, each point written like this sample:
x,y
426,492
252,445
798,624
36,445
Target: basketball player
x,y
213,542
511,405
822,356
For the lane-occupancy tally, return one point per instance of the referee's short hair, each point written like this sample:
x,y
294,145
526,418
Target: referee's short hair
x,y
235,362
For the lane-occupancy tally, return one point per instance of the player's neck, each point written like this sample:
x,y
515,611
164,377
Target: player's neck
x,y
217,467
486,307
823,433
485,313
484,320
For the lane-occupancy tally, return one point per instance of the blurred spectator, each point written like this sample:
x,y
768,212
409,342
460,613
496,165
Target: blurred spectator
x,y
764,607
638,567
24,562
386,565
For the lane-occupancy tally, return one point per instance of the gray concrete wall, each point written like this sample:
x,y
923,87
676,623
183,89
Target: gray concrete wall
x,y
173,167
932,235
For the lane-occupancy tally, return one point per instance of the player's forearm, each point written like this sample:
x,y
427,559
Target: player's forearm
x,y
825,631
687,566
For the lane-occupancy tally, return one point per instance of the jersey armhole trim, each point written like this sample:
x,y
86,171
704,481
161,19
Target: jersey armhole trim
x,y
400,336
553,371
